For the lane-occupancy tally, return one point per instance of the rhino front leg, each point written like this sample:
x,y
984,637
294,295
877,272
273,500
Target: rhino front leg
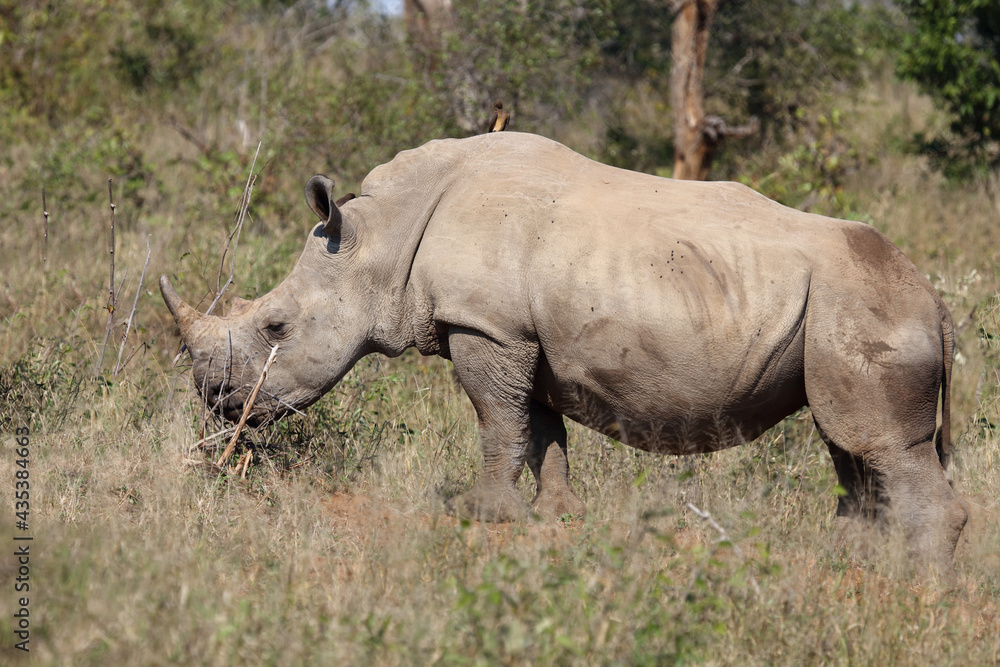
x,y
554,497
498,380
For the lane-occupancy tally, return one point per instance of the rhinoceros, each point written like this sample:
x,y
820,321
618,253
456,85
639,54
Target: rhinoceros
x,y
675,316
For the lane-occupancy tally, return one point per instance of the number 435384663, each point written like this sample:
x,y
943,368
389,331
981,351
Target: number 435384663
x,y
21,474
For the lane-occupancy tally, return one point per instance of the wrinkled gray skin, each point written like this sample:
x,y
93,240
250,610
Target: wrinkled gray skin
x,y
675,316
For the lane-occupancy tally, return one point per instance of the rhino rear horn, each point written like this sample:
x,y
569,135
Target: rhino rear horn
x,y
319,196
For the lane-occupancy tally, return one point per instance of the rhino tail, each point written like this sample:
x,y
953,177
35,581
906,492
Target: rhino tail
x,y
943,440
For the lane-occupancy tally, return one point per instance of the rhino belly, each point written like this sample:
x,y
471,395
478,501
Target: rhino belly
x,y
660,409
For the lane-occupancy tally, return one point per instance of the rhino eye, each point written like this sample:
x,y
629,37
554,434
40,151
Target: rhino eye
x,y
276,328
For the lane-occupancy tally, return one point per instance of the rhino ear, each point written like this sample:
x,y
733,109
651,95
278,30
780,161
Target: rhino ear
x,y
319,196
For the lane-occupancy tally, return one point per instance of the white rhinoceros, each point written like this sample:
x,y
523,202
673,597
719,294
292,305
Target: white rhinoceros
x,y
675,316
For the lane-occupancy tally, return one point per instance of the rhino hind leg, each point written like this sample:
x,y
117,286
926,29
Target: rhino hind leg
x,y
861,503
878,420
927,505
554,496
498,380
904,487
862,493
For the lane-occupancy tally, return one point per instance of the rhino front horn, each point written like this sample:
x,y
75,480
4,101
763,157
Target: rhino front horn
x,y
185,316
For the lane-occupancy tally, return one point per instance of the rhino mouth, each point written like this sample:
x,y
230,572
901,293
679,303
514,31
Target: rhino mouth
x,y
260,415
234,411
266,409
231,406
268,406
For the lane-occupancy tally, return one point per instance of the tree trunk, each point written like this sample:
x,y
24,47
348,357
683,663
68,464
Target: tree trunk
x,y
426,18
696,136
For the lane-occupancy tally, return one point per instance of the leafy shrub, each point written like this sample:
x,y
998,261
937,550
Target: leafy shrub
x,y
953,52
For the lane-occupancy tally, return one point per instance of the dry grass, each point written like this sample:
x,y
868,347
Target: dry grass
x,y
334,550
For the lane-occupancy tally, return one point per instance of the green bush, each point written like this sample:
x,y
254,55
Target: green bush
x,y
952,51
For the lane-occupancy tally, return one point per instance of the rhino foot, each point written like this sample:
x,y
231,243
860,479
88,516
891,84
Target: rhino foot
x,y
558,504
489,502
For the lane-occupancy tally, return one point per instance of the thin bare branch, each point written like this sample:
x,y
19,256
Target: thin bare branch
x,y
45,238
209,438
121,285
234,236
144,346
131,315
246,464
111,292
247,408
111,284
707,518
291,407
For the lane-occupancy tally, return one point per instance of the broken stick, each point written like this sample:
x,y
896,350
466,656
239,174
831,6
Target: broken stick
x,y
247,408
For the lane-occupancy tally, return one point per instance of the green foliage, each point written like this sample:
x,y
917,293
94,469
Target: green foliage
x,y
988,417
634,37
536,57
50,60
779,61
570,605
811,169
30,387
166,55
344,432
952,51
776,59
764,58
337,89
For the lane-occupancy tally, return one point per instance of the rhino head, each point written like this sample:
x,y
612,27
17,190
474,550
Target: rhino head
x,y
315,317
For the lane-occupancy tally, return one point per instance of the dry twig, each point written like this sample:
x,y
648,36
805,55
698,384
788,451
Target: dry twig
x,y
45,239
234,236
246,464
112,300
128,326
306,461
247,408
209,438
